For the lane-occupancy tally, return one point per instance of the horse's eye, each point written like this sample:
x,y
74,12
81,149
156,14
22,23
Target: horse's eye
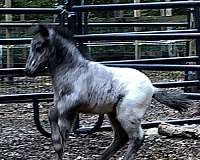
x,y
39,49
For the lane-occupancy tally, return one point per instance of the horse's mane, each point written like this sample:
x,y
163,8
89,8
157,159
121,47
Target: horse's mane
x,y
62,31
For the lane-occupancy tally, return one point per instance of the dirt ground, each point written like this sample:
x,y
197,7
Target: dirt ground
x,y
19,139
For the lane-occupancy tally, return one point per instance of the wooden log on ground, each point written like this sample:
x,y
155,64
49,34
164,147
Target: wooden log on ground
x,y
173,131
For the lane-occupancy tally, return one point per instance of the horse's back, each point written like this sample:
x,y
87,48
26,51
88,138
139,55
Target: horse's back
x,y
132,78
124,79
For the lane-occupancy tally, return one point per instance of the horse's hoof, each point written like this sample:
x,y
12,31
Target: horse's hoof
x,y
58,145
59,157
59,150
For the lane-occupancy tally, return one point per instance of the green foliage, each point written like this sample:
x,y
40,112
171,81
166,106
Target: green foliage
x,y
29,4
33,3
111,52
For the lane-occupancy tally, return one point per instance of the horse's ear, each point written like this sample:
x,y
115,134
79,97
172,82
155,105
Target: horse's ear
x,y
43,30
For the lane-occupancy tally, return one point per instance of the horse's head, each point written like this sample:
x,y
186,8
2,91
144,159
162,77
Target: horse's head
x,y
40,51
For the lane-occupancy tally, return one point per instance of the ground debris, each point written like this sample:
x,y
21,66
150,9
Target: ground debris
x,y
170,130
20,140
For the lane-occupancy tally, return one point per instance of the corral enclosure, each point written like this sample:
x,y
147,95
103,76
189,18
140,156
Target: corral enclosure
x,y
177,19
105,50
17,128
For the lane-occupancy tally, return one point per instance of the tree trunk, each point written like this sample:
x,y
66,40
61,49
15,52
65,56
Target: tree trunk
x,y
173,131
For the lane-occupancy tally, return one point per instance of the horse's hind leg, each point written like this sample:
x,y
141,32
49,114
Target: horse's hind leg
x,y
136,138
120,137
130,119
55,132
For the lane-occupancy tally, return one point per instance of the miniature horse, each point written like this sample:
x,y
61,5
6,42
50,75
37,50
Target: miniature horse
x,y
82,86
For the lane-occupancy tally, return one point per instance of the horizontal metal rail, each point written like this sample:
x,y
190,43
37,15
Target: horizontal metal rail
x,y
176,84
17,24
160,32
156,60
146,125
26,98
136,24
18,72
158,67
152,35
131,43
136,6
135,36
13,41
12,71
194,96
30,10
44,97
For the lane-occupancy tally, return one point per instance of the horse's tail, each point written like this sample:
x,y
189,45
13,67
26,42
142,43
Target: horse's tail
x,y
173,99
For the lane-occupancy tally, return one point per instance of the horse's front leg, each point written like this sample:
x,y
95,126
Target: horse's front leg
x,y
61,120
55,132
65,123
66,118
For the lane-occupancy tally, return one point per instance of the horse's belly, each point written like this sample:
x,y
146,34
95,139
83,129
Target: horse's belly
x,y
96,109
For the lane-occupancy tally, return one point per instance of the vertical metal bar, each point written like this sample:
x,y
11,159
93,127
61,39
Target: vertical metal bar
x,y
85,30
62,14
189,25
71,17
197,25
1,56
87,49
80,16
71,21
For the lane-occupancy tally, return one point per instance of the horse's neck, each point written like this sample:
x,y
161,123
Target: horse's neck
x,y
71,66
66,55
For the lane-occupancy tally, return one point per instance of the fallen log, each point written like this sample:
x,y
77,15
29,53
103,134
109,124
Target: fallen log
x,y
173,131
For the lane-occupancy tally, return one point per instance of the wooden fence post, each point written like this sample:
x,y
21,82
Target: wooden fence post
x,y
118,14
8,18
167,12
192,43
137,13
171,51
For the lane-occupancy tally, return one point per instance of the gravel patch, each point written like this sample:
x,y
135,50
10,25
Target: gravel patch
x,y
19,139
